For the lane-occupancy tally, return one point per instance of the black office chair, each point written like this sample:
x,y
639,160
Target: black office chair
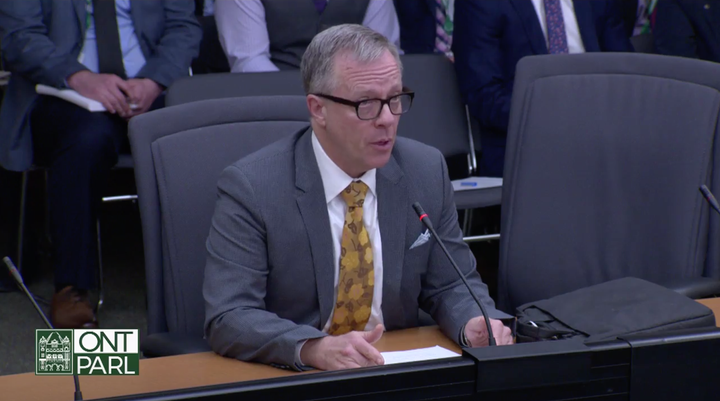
x,y
179,153
604,158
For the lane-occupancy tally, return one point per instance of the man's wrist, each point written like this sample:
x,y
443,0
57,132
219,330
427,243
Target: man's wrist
x,y
305,351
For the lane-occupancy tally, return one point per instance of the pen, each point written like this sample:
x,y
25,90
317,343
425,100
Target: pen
x,y
468,184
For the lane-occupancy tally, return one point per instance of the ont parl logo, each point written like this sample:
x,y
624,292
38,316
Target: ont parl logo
x,y
87,352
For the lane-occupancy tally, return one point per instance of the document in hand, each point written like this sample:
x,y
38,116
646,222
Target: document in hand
x,y
420,354
70,96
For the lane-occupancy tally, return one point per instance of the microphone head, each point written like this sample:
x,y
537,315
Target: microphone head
x,y
418,209
706,192
13,270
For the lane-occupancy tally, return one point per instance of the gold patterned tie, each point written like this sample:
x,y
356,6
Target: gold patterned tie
x,y
356,278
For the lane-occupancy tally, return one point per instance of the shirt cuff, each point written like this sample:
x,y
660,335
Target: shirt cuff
x,y
298,361
463,341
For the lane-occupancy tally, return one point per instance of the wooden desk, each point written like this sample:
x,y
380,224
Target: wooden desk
x,y
714,304
202,369
186,371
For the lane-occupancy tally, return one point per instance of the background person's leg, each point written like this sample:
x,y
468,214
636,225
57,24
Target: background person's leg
x,y
79,148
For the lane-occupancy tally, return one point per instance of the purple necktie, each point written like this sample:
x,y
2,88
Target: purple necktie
x,y
557,38
320,5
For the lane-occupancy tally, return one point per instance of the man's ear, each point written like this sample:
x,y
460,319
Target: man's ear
x,y
317,109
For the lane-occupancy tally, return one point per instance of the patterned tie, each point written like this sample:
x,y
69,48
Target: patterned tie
x,y
320,5
557,38
443,24
356,278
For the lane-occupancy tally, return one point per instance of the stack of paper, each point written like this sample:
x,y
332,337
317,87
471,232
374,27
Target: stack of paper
x,y
420,354
70,96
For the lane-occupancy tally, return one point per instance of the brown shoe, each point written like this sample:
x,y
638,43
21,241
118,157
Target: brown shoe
x,y
71,310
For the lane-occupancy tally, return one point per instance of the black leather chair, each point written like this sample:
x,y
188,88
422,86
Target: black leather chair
x,y
179,153
605,156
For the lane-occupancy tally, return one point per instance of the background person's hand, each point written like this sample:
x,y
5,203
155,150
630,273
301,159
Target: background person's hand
x,y
108,89
477,334
351,350
143,92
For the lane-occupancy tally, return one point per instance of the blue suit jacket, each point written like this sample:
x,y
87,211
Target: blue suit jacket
x,y
490,37
686,28
417,25
41,41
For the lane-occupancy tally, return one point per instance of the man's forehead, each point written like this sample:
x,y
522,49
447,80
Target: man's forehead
x,y
348,65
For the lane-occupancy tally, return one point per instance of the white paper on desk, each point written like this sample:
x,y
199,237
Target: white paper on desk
x,y
470,183
70,96
420,354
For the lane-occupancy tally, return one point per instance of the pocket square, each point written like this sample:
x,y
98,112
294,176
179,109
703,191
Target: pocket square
x,y
423,238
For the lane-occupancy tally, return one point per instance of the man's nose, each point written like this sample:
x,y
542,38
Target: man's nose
x,y
385,117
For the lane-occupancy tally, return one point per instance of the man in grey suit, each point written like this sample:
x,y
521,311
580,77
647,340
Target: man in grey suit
x,y
122,53
314,248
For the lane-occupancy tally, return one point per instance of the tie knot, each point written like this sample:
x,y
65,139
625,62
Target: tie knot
x,y
354,194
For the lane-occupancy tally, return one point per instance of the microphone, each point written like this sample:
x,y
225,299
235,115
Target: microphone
x,y
19,280
710,198
426,220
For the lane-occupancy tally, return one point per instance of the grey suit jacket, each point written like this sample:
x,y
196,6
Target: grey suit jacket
x,y
41,41
269,278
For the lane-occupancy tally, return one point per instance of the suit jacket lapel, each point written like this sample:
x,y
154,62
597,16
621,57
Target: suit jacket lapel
x,y
81,12
531,24
393,207
586,24
313,209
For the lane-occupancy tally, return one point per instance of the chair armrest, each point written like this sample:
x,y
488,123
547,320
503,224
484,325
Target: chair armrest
x,y
695,288
167,344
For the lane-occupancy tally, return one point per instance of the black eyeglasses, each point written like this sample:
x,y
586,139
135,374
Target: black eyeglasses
x,y
370,109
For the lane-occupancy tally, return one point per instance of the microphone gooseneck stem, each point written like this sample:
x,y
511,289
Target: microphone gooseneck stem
x,y
426,220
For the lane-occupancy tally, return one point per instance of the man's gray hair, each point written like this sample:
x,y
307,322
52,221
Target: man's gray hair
x,y
361,43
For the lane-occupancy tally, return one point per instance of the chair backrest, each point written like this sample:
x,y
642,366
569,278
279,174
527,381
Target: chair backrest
x,y
437,118
179,153
225,85
604,158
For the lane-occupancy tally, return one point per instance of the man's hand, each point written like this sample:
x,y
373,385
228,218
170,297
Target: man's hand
x,y
477,334
108,89
143,92
351,350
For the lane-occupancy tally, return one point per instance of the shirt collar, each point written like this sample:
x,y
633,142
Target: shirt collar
x,y
334,179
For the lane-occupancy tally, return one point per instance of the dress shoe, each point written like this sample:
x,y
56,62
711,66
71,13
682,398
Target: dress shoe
x,y
70,309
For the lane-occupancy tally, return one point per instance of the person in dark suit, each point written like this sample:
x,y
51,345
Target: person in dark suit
x,y
688,28
425,25
314,248
121,53
490,37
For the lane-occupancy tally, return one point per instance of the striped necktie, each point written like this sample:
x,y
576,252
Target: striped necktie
x,y
443,28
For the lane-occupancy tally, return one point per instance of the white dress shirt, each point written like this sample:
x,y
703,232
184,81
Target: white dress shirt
x,y
133,57
574,40
244,36
334,182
